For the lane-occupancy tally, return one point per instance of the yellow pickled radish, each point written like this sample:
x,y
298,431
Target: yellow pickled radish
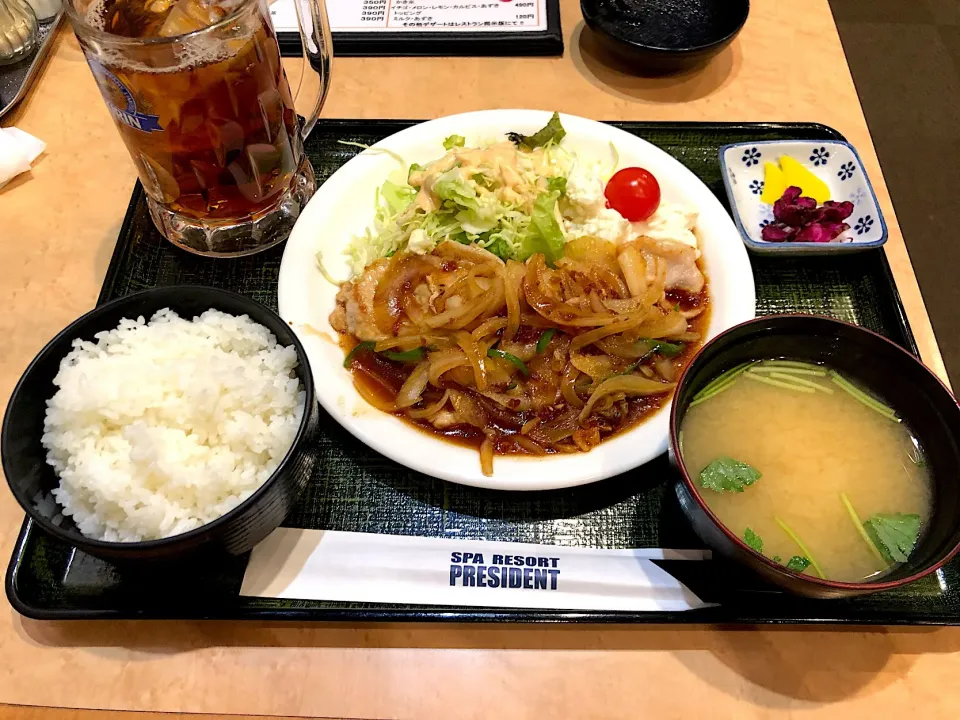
x,y
774,183
797,175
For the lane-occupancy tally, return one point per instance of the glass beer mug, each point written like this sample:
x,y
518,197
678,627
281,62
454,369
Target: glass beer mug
x,y
198,92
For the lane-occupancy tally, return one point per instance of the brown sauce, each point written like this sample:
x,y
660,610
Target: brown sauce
x,y
383,379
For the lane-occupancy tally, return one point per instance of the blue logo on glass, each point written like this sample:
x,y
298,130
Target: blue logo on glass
x,y
117,94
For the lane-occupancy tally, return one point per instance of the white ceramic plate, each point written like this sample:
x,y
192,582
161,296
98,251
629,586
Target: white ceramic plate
x,y
343,208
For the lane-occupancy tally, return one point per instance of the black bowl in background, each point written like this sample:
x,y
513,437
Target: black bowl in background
x,y
665,36
24,458
890,373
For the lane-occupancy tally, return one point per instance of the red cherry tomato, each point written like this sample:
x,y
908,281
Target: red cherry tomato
x,y
634,193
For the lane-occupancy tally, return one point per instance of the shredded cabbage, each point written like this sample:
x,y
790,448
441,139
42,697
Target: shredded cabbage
x,y
502,197
373,150
323,269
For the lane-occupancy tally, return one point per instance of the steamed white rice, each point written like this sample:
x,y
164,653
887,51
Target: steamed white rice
x,y
161,427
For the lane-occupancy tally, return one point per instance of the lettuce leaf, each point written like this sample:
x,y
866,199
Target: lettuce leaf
x,y
500,248
557,184
397,197
454,141
544,234
551,132
451,186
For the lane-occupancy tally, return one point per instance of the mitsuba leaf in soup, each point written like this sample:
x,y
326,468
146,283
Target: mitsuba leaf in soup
x,y
753,540
894,535
728,475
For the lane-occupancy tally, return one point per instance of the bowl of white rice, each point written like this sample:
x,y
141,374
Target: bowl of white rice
x,y
165,422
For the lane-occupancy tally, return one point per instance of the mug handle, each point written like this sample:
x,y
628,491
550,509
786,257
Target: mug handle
x,y
314,27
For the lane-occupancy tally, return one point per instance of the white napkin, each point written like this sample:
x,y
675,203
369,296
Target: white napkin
x,y
18,150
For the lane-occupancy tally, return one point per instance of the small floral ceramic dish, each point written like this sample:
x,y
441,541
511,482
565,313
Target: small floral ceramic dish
x,y
833,162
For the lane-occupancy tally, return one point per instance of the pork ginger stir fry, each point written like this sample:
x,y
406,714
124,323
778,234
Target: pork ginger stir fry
x,y
521,356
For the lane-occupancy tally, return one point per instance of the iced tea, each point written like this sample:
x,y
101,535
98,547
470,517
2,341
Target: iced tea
x,y
208,118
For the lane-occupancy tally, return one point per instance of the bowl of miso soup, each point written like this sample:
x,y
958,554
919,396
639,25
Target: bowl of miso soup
x,y
819,453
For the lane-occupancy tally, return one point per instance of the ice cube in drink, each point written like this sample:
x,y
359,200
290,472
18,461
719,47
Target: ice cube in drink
x,y
157,18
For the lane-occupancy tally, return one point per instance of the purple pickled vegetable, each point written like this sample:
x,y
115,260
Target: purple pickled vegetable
x,y
836,229
799,219
777,232
794,210
814,232
835,212
791,194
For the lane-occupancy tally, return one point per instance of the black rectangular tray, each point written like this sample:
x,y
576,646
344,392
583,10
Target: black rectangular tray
x,y
356,489
547,42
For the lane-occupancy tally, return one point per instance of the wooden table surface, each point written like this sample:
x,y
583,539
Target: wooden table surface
x,y
59,226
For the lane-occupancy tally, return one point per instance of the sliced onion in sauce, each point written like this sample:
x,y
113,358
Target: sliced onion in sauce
x,y
486,456
568,386
529,445
413,387
530,425
628,384
431,410
513,290
469,410
444,361
372,398
665,368
470,349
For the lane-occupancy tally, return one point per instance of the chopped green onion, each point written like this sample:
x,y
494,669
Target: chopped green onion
x,y
509,357
801,381
365,345
764,367
720,379
779,383
856,521
664,348
628,369
668,349
917,459
799,542
864,399
415,355
703,396
720,384
793,363
545,338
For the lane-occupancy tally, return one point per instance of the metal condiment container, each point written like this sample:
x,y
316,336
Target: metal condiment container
x,y
18,31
